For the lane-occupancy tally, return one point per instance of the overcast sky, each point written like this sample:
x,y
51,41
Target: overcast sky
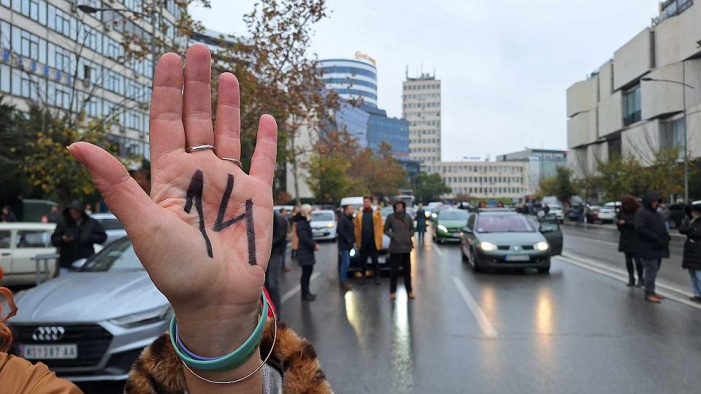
x,y
505,65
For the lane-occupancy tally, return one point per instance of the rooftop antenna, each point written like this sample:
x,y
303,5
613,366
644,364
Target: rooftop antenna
x,y
407,71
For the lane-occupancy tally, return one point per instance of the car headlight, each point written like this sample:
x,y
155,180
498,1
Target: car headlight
x,y
541,246
488,246
330,225
442,228
433,215
142,318
352,253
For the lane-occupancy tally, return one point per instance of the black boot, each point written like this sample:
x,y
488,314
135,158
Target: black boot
x,y
631,282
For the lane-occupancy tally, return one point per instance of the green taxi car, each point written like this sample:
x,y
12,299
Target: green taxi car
x,y
448,225
505,239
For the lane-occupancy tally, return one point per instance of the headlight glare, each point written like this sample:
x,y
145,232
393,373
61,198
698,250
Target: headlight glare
x,y
442,228
330,225
488,246
541,246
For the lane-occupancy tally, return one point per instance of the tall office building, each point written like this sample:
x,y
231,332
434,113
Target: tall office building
x,y
351,79
57,56
421,106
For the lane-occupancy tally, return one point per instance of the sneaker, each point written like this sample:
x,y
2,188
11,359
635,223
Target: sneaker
x,y
659,296
641,282
695,299
308,297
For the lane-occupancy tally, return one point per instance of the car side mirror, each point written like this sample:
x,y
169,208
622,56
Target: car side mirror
x,y
78,264
467,230
547,228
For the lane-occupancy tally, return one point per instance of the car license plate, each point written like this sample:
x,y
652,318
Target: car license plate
x,y
518,257
49,352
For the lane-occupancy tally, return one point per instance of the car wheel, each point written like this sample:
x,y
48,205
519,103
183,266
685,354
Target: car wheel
x,y
439,241
475,265
544,270
462,255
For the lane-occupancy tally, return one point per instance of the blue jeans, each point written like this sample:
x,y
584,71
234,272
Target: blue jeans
x,y
695,276
345,262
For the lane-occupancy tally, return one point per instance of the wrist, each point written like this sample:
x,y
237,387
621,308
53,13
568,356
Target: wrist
x,y
215,331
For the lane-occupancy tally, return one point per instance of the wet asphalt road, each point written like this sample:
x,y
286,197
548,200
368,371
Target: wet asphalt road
x,y
572,331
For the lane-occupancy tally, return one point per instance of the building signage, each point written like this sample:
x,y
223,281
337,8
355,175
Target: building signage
x,y
361,56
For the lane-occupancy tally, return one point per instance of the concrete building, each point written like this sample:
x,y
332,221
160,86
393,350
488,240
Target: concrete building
x,y
616,112
55,55
351,79
484,179
421,106
542,163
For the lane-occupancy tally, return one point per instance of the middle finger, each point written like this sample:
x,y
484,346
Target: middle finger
x,y
197,103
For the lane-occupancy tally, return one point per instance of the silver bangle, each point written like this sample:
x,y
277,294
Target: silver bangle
x,y
272,347
199,148
235,161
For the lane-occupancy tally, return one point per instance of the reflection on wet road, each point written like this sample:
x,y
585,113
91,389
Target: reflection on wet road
x,y
572,331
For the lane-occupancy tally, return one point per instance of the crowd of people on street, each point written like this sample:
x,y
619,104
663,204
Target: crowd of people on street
x,y
645,239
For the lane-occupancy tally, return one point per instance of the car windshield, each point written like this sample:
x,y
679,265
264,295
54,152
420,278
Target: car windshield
x,y
117,256
503,224
555,207
111,224
453,215
322,216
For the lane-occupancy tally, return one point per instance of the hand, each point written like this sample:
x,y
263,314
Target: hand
x,y
316,247
207,273
621,222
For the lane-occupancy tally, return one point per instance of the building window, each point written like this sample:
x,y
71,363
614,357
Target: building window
x,y
631,106
672,134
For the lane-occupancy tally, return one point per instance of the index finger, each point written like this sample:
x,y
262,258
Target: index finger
x,y
166,122
265,156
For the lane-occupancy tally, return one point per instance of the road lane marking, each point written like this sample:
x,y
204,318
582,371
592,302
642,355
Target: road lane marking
x,y
484,323
290,293
438,250
670,292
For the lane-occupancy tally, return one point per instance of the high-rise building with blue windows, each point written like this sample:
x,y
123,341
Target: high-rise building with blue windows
x,y
54,55
351,79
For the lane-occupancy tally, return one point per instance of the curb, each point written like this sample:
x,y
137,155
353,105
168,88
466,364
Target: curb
x,y
672,232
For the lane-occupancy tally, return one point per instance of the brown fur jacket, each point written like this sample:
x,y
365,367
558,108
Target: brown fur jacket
x,y
159,370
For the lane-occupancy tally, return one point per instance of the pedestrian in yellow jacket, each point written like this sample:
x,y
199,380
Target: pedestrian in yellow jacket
x,y
368,237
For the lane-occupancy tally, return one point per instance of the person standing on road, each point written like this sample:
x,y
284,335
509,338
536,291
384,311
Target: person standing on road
x,y
346,239
368,237
692,250
305,252
654,242
421,222
546,209
284,214
277,255
399,227
76,235
628,239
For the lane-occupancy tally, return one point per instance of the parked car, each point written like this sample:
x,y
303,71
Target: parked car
x,y
19,242
502,239
112,226
557,211
601,214
324,225
448,225
92,325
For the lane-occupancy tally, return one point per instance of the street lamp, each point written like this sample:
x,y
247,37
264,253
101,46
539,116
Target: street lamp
x,y
686,124
92,10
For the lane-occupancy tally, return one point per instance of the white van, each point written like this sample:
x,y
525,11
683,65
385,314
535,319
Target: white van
x,y
19,242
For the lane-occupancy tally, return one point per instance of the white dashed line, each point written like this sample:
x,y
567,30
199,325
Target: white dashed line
x,y
484,323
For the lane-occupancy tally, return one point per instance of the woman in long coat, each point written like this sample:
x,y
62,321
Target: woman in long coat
x,y
421,222
628,242
305,252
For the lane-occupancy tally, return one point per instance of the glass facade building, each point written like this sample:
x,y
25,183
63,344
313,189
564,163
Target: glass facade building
x,y
351,79
54,55
393,131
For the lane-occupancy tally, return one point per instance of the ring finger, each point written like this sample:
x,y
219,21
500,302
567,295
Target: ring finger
x,y
227,136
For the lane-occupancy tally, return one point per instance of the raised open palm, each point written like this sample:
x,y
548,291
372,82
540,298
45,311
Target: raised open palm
x,y
204,234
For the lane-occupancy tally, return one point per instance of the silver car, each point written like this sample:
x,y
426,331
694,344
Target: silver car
x,y
112,226
92,325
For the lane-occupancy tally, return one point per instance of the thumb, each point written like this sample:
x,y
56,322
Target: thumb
x,y
125,198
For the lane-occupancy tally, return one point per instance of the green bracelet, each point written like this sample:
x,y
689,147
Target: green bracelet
x,y
231,360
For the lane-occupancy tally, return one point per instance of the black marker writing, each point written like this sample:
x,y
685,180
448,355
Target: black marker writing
x,y
251,233
194,194
220,225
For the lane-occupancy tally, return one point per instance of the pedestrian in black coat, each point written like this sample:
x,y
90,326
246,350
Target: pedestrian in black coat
x,y
654,241
76,235
692,250
628,241
306,249
346,240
